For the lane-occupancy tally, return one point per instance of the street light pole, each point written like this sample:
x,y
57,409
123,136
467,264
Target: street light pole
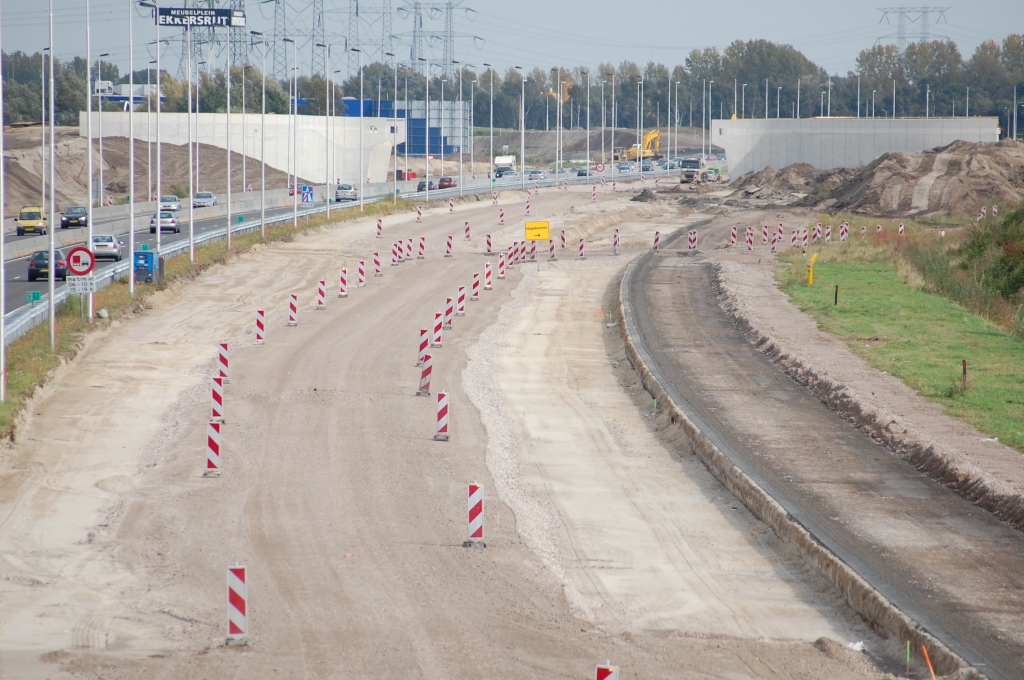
x,y
426,127
778,102
490,166
159,155
462,126
54,220
743,101
327,129
99,103
587,73
191,187
3,268
362,172
245,181
227,124
131,152
798,97
293,114
522,125
88,136
263,142
394,128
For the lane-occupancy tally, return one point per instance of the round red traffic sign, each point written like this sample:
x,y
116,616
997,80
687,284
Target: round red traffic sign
x,y
599,167
80,261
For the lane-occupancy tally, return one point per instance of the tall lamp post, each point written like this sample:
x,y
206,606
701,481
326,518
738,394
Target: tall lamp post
x,y
614,113
159,156
394,127
426,128
522,126
3,272
490,109
778,101
245,181
262,41
88,136
462,126
362,173
51,278
327,129
99,103
131,149
293,112
587,73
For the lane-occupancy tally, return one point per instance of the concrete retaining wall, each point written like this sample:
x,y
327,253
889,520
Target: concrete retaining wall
x,y
311,135
829,143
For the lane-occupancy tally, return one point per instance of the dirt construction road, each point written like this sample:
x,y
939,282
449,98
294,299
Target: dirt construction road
x,y
603,541
949,564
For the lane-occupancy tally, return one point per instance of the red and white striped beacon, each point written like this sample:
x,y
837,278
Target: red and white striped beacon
x,y
261,326
423,248
376,265
222,361
501,265
212,450
361,273
475,529
424,343
460,302
438,325
293,310
238,610
474,294
321,294
466,228
380,227
448,246
428,369
343,283
441,434
449,313
217,400
583,254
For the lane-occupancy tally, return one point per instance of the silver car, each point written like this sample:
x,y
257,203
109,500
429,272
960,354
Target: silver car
x,y
345,192
172,203
105,245
204,199
168,222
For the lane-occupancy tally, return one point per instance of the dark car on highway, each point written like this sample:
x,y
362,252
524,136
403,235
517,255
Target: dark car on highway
x,y
38,265
74,216
422,186
446,183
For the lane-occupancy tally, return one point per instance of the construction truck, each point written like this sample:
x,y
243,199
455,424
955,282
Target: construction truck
x,y
650,148
693,171
504,164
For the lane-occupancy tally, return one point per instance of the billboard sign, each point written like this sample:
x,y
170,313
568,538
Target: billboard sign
x,y
199,16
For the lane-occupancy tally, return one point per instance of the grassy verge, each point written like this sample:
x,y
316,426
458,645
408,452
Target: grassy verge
x,y
29,359
887,315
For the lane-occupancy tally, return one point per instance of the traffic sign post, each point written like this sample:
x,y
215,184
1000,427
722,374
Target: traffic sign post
x,y
81,285
307,193
538,231
80,261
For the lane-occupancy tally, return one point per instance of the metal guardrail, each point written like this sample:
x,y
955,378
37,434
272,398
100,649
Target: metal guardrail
x,y
20,321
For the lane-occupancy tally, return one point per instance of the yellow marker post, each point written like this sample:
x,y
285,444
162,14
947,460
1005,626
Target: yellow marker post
x,y
538,231
810,269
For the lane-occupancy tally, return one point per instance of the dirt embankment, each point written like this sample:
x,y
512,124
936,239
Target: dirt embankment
x,y
951,180
23,162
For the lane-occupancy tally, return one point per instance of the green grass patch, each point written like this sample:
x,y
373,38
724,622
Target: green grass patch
x,y
30,360
917,336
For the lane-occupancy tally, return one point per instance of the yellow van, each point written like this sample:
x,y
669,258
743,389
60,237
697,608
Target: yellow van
x,y
31,220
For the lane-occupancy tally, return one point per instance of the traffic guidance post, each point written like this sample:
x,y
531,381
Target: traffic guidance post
x,y
424,343
441,433
460,309
321,294
238,612
217,400
293,310
212,450
449,313
428,369
261,326
343,283
476,518
222,361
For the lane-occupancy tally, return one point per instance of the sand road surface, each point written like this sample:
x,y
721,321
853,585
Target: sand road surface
x,y
604,542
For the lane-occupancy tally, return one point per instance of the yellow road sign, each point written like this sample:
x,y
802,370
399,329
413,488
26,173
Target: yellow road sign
x,y
538,231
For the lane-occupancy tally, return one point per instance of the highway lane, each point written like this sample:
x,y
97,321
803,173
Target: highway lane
x,y
17,270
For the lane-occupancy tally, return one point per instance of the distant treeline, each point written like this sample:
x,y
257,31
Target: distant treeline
x,y
936,68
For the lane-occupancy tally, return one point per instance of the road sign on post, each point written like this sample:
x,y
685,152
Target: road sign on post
x,y
538,231
307,193
80,261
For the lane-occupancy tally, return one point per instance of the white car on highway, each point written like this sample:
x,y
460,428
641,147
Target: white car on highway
x,y
106,245
170,203
204,199
168,222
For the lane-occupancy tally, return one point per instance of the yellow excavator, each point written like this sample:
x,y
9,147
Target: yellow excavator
x,y
649,149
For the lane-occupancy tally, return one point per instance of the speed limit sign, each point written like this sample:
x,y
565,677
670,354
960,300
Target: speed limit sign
x,y
599,167
80,261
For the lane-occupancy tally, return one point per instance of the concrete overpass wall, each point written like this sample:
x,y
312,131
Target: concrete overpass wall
x,y
828,143
311,136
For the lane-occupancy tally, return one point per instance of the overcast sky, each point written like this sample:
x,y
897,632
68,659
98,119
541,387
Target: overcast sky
x,y
540,32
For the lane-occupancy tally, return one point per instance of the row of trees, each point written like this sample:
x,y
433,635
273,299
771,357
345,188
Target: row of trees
x,y
747,79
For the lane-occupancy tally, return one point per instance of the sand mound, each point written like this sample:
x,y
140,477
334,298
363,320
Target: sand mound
x,y
799,180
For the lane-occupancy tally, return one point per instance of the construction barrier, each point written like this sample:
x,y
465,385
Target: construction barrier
x,y
451,205
217,400
476,517
828,233
901,224
428,368
527,206
488,252
615,244
380,228
510,260
423,248
448,246
419,213
442,417
438,325
501,216
764,235
878,229
449,313
293,311
321,294
863,231
424,343
494,198
803,237
466,228
361,272
222,361
551,249
793,236
563,239
212,450
376,265
501,265
343,283
732,237
691,240
460,305
607,673
487,276
533,251
238,595
474,292
261,326
657,240
583,254
408,249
